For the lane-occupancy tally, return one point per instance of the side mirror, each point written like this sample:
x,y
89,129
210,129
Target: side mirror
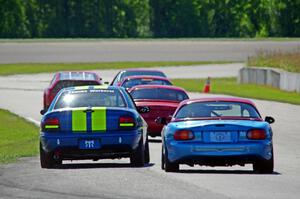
x,y
269,119
144,109
43,111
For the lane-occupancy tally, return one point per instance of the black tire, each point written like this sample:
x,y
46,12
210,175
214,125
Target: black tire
x,y
46,159
162,158
166,164
137,158
264,166
147,152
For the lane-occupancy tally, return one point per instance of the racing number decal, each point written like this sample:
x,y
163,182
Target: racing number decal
x,y
99,119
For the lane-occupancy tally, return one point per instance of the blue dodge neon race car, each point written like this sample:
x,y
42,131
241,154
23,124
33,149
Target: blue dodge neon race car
x,y
92,122
217,132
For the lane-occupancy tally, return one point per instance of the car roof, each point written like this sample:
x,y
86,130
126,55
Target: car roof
x,y
145,77
218,99
156,86
77,75
139,69
91,87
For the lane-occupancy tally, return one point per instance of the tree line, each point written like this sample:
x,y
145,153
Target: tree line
x,y
149,18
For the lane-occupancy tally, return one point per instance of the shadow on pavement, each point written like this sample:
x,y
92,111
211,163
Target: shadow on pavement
x,y
212,171
98,165
152,140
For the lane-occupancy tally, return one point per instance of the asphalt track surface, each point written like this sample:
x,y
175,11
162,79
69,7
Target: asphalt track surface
x,y
22,94
137,50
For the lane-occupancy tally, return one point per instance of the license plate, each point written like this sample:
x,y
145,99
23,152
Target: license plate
x,y
89,144
220,136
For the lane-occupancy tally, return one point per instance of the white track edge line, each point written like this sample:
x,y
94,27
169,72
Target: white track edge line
x,y
35,122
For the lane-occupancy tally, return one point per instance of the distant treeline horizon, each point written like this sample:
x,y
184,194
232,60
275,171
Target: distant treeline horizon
x,y
149,18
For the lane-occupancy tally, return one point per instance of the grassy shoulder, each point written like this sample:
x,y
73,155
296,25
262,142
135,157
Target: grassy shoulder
x,y
229,86
18,138
289,61
11,69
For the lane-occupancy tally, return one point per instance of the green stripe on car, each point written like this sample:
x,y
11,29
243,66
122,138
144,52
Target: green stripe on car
x,y
81,87
100,87
99,119
79,120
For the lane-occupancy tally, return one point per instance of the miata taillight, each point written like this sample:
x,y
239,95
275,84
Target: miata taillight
x,y
126,122
184,135
256,134
50,124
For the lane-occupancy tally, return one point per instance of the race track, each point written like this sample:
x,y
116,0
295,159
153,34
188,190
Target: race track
x,y
22,94
78,51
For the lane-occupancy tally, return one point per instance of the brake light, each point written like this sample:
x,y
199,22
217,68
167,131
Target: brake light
x,y
256,134
50,124
126,121
184,135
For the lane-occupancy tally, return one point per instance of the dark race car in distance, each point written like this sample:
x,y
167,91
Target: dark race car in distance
x,y
217,132
132,81
93,122
68,79
134,72
154,101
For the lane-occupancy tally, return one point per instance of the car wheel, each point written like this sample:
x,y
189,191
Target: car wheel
x,y
147,152
264,166
46,159
166,164
137,158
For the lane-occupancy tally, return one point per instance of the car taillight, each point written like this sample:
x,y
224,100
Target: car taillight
x,y
184,135
256,134
126,121
50,124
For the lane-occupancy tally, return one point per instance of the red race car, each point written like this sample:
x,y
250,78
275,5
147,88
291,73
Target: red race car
x,y
134,72
154,101
68,79
131,81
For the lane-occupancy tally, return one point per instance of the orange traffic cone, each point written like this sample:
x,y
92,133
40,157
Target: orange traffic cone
x,y
206,88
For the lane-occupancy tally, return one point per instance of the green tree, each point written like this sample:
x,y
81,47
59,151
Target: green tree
x,y
13,21
289,17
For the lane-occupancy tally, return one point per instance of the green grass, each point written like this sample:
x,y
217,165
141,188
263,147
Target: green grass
x,y
229,86
10,69
18,138
289,61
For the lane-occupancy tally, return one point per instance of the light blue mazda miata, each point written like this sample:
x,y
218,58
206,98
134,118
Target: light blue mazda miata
x,y
217,132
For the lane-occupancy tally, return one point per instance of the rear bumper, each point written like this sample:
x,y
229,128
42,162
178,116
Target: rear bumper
x,y
113,145
105,152
218,154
